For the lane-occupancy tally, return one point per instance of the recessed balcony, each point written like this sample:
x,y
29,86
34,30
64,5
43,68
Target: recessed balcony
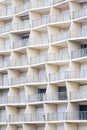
x,y
62,116
21,26
6,28
38,41
48,97
6,12
81,34
18,63
16,99
80,13
79,53
27,118
60,36
40,3
60,18
40,21
80,75
51,57
24,7
3,119
20,43
78,95
29,80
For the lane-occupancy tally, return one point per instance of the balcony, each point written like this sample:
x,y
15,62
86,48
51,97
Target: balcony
x,y
16,99
81,34
20,43
38,41
24,7
80,13
40,3
4,64
79,53
78,115
60,116
6,12
18,63
60,36
6,28
38,59
47,97
28,80
58,76
60,18
3,100
3,119
27,118
68,75
78,95
21,26
41,21
58,1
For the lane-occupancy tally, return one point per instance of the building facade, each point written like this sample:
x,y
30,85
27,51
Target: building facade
x,y
43,65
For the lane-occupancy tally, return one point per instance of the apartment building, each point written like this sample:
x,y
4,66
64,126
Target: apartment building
x,y
43,64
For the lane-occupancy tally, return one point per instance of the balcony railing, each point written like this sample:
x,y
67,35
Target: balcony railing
x,y
79,53
78,95
6,28
58,76
38,59
20,43
68,75
60,116
16,63
30,79
3,119
40,21
47,97
5,64
38,41
3,100
40,3
78,33
27,118
60,37
6,12
16,99
60,18
21,26
58,1
25,6
79,13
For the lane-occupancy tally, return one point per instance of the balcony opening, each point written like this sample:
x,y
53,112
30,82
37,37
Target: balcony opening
x,y
62,93
83,112
41,92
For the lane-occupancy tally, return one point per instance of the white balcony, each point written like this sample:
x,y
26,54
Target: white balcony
x,y
60,18
40,3
38,41
68,75
80,53
78,95
60,36
27,118
20,43
24,7
21,26
29,80
6,29
6,12
41,21
80,13
58,96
